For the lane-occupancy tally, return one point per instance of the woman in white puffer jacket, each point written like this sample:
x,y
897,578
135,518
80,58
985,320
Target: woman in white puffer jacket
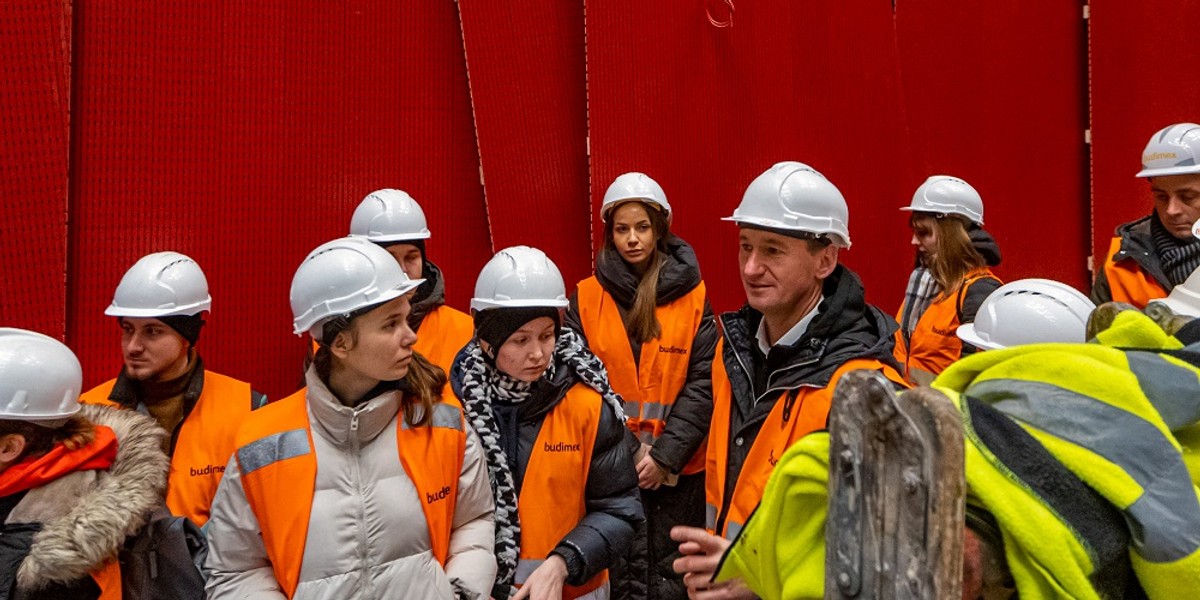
x,y
367,483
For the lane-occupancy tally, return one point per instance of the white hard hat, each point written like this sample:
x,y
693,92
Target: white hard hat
x,y
389,216
1029,311
634,186
519,277
946,195
40,378
792,196
1174,150
162,284
342,276
1184,298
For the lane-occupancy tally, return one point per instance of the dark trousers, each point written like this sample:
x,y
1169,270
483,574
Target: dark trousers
x,y
645,573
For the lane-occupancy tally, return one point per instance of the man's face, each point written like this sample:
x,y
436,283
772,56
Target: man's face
x,y
152,351
780,272
409,257
1177,202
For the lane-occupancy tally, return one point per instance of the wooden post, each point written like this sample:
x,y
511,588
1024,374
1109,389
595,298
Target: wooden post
x,y
896,493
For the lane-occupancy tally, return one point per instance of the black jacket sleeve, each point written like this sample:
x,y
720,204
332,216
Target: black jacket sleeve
x,y
1101,291
571,318
614,505
688,423
973,298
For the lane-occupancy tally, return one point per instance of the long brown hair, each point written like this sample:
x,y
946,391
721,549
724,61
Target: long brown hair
x,y
76,433
642,323
956,255
423,383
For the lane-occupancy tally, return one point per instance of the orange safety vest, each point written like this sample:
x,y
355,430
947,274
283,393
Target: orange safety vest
x,y
809,413
553,492
443,332
205,443
1127,281
934,344
279,472
649,387
108,579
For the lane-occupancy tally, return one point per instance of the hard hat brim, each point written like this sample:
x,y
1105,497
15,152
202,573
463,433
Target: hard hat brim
x,y
781,228
399,237
485,304
1163,172
305,326
967,334
114,310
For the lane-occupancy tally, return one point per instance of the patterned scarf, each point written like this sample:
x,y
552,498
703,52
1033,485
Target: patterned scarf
x,y
482,384
922,288
1179,257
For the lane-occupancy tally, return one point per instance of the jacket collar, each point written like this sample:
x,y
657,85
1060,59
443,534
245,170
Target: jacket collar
x,y
128,392
679,275
845,328
429,296
87,515
342,425
1137,244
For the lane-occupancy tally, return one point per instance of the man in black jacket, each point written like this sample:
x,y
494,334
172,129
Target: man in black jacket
x,y
805,324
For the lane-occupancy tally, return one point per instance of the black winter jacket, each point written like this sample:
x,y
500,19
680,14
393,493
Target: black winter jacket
x,y
614,508
845,328
688,423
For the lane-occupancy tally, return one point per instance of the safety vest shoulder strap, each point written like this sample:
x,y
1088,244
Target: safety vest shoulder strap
x,y
972,277
443,332
277,463
99,395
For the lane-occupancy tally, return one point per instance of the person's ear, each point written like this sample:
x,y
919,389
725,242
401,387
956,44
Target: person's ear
x,y
341,345
11,447
828,261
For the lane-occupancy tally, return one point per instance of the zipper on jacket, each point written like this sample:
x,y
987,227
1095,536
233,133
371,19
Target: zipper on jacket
x,y
364,582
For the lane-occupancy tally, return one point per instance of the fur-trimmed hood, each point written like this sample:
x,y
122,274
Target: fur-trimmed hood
x,y
87,515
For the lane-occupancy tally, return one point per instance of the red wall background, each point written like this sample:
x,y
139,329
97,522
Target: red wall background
x,y
244,135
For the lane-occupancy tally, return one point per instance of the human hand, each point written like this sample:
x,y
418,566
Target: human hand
x,y
546,581
702,552
651,475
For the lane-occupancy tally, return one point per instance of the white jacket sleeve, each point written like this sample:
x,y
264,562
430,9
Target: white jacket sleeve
x,y
237,564
472,561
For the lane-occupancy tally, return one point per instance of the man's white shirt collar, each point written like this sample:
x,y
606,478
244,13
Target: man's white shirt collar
x,y
793,335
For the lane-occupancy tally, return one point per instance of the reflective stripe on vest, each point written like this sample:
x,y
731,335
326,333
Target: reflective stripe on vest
x,y
934,343
205,443
553,492
279,469
1127,282
1165,518
649,387
443,332
809,412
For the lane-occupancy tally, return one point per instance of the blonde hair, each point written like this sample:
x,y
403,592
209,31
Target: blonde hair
x,y
956,255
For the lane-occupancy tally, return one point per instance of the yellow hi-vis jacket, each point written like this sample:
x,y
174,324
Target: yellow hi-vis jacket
x,y
1101,412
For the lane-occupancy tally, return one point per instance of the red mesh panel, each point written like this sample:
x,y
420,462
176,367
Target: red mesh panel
x,y
1005,111
705,109
35,88
529,100
244,135
1141,81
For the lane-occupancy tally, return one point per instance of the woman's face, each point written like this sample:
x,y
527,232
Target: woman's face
x,y
633,233
924,228
528,351
378,344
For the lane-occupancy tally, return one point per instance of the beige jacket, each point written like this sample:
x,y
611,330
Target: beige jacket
x,y
367,536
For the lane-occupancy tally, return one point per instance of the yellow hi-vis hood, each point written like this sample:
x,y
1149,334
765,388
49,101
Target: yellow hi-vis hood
x,y
1100,412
